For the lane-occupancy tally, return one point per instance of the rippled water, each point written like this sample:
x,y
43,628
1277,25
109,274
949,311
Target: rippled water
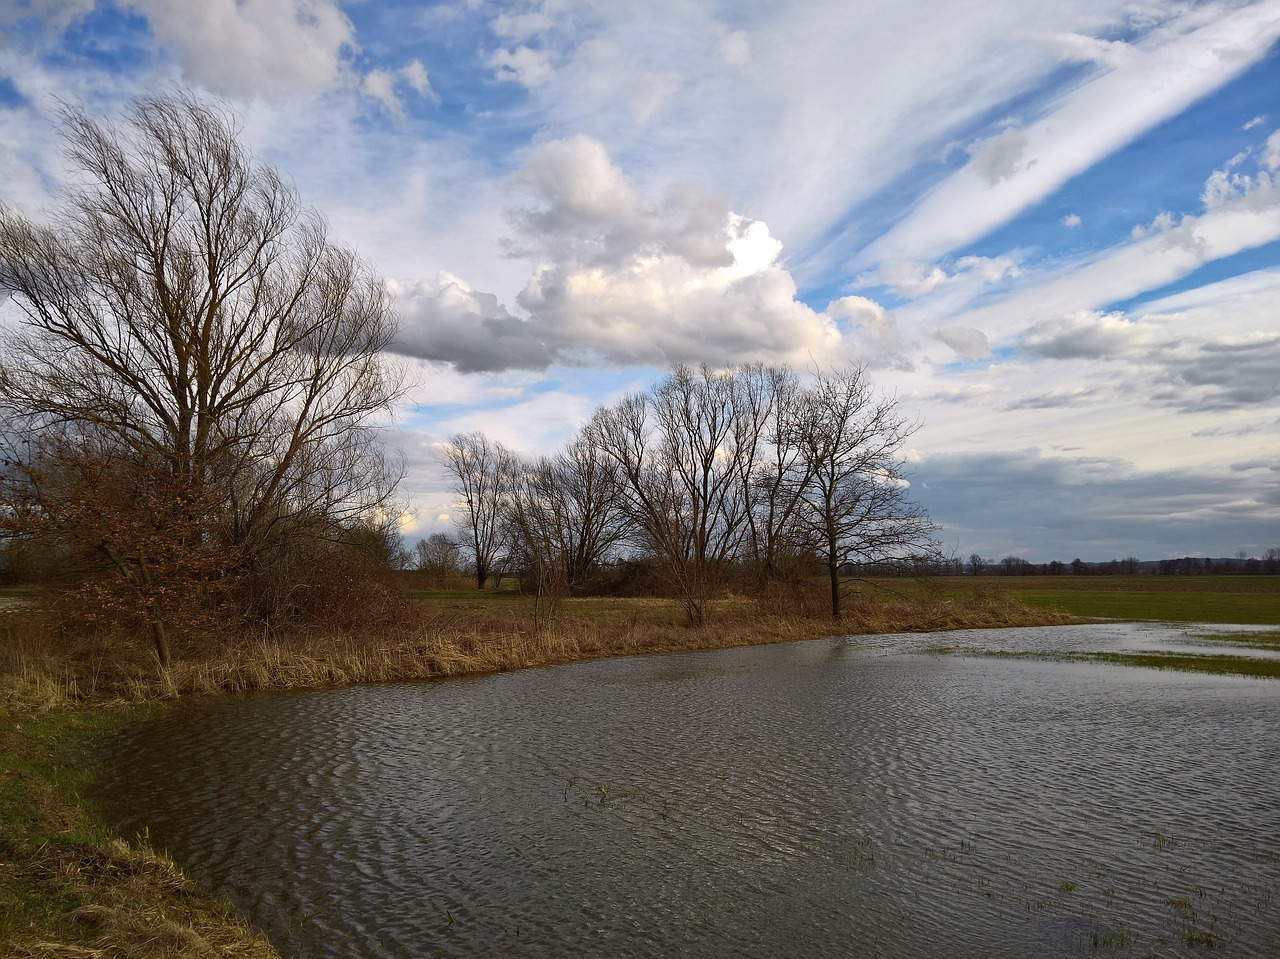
x,y
848,797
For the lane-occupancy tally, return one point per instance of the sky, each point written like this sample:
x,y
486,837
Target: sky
x,y
1051,230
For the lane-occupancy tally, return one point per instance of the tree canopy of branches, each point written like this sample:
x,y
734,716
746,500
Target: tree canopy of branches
x,y
747,467
853,486
685,453
483,473
190,336
565,517
437,554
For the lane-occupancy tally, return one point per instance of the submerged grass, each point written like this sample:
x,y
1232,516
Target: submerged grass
x,y
1219,664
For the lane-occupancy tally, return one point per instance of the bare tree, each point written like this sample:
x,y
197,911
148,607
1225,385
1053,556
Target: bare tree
x,y
568,516
684,451
779,475
183,313
856,501
437,554
484,473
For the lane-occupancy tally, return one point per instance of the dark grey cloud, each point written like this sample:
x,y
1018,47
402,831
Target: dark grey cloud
x,y
1023,503
445,322
1086,336
1219,376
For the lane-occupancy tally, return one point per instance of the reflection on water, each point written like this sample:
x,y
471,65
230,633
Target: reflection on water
x,y
849,797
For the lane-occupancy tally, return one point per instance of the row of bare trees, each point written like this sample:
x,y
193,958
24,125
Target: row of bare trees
x,y
708,473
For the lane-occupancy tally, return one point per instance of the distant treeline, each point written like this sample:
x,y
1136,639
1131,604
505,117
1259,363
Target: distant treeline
x,y
1240,565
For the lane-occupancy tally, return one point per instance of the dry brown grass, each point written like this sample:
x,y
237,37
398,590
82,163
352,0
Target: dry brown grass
x,y
135,904
453,634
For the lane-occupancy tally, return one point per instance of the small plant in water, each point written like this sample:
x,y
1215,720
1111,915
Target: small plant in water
x,y
1111,939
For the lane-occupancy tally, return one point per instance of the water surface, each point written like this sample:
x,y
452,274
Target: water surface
x,y
845,797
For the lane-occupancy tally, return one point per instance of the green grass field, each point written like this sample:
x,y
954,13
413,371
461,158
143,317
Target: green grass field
x,y
1245,600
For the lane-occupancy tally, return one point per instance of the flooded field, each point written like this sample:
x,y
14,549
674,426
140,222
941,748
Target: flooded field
x,y
848,797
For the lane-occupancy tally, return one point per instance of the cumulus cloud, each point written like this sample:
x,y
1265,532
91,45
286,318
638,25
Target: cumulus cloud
x,y
870,331
659,307
626,280
1162,223
1071,220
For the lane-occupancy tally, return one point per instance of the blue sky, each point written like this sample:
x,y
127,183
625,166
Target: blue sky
x,y
1052,230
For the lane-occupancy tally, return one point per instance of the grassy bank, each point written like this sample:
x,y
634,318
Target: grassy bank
x,y
69,888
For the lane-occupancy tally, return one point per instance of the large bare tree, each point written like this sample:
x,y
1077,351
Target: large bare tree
x,y
856,500
685,452
183,313
483,474
566,514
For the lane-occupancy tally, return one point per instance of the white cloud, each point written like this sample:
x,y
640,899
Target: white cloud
x,y
735,47
969,343
1071,220
1162,223
380,85
1245,214
1271,156
523,65
521,27
251,48
870,332
660,308
999,157
55,15
1256,121
415,74
1014,169
914,280
626,280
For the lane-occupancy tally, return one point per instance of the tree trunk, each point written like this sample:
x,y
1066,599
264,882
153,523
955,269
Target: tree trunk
x,y
161,637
